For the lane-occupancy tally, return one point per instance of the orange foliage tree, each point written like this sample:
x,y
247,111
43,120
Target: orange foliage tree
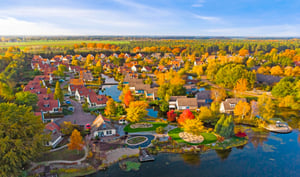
x,y
128,98
276,71
243,52
241,85
186,114
171,116
76,141
241,109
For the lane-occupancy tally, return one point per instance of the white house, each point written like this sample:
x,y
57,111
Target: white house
x,y
96,101
229,104
102,127
55,134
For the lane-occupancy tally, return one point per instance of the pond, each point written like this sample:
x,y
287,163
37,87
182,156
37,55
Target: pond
x,y
266,154
111,90
152,113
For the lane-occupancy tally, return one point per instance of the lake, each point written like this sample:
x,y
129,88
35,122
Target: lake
x,y
111,90
266,154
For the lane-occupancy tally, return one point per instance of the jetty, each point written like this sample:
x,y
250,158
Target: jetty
x,y
279,128
145,156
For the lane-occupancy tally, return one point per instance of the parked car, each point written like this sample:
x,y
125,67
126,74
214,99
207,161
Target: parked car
x,y
68,102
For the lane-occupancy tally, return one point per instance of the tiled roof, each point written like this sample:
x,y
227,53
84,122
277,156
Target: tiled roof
x,y
191,102
98,99
46,96
52,126
47,105
231,101
39,91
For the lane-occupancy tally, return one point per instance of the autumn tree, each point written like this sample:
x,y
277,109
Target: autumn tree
x,y
243,52
198,69
128,98
241,85
276,71
242,109
67,128
193,126
98,68
218,94
21,138
49,90
58,94
185,115
110,108
266,107
136,111
171,116
76,142
75,62
205,114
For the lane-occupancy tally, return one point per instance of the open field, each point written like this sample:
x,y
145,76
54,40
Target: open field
x,y
57,42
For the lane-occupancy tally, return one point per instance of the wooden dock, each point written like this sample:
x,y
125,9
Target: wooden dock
x,y
145,156
276,129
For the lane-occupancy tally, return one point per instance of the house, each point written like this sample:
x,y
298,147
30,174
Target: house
x,y
46,96
49,106
86,75
102,128
203,98
146,69
96,101
39,91
76,82
186,103
151,93
74,69
172,101
72,89
56,136
156,55
228,105
82,93
135,68
32,85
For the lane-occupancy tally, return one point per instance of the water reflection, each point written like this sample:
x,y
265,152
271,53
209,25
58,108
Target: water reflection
x,y
191,158
223,154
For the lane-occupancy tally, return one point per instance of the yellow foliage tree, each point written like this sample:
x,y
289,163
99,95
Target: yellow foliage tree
x,y
110,108
241,85
76,141
242,109
218,94
198,69
276,71
266,107
288,71
193,126
136,111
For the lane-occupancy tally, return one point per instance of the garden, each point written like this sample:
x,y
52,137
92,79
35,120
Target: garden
x,y
131,129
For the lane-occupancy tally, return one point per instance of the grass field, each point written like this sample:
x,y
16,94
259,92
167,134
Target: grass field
x,y
153,128
63,154
57,42
208,137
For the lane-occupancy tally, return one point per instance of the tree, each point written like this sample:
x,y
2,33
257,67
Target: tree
x,y
193,126
218,94
243,52
76,141
136,111
98,68
205,113
241,109
171,116
185,115
198,69
276,71
128,98
241,85
67,128
75,62
110,108
58,93
49,90
225,126
21,136
159,130
164,106
26,98
266,107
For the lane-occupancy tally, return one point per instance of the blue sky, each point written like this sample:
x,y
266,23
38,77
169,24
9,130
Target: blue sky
x,y
257,18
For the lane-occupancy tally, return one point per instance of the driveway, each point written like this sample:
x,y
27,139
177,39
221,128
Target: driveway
x,y
79,117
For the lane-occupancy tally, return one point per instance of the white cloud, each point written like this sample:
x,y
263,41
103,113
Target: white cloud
x,y
199,3
207,18
12,26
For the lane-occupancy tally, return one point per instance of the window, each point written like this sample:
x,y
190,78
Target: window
x,y
231,105
46,105
108,132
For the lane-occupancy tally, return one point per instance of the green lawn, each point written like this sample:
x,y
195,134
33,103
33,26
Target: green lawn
x,y
136,140
208,137
57,42
63,154
153,128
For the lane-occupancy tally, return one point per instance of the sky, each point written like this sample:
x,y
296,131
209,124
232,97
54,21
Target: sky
x,y
249,18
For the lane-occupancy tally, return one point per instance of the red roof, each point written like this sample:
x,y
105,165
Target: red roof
x,y
74,87
85,91
41,77
52,126
47,105
98,99
32,85
39,91
46,96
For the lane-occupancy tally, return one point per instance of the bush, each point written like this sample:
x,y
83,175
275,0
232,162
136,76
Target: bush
x,y
159,130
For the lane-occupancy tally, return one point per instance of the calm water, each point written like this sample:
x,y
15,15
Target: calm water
x,y
268,154
111,90
152,113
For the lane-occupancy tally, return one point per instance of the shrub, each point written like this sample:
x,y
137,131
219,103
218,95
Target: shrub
x,y
159,130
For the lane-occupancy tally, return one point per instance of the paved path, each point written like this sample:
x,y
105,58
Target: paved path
x,y
114,155
79,116
56,149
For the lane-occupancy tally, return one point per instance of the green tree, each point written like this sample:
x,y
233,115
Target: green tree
x,y
225,126
21,136
58,93
67,128
26,98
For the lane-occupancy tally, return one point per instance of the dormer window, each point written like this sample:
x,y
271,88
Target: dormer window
x,y
232,105
46,105
99,99
38,92
31,88
46,98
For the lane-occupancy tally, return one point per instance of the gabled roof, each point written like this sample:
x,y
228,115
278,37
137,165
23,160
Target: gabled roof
x,y
39,91
190,102
52,126
47,105
232,101
98,99
46,96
